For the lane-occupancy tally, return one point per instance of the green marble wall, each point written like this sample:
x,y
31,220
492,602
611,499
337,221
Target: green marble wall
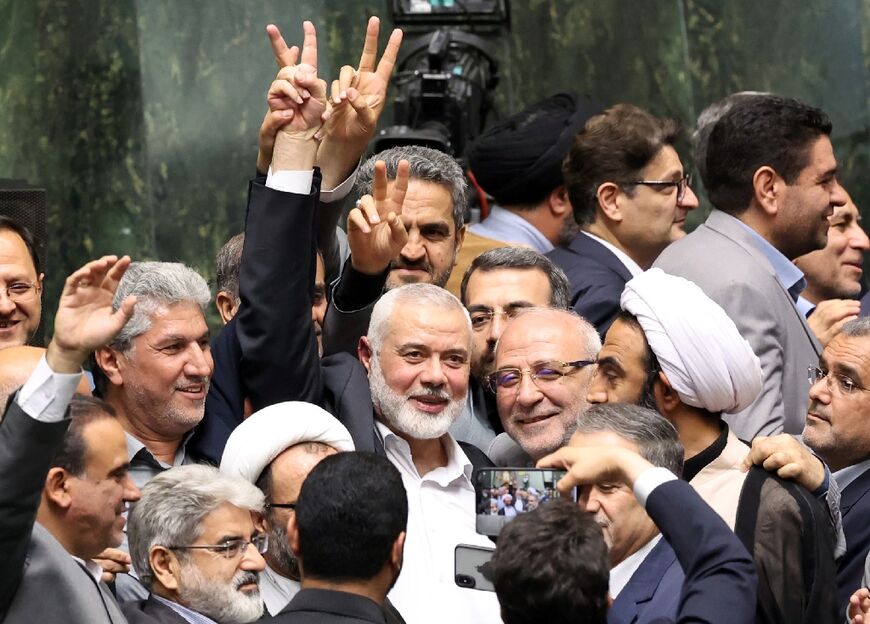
x,y
140,117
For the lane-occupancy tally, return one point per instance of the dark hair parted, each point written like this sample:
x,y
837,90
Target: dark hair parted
x,y
520,258
613,147
551,565
757,131
656,439
83,411
8,223
351,508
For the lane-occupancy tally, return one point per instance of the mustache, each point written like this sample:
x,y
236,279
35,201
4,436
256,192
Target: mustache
x,y
434,393
422,264
245,578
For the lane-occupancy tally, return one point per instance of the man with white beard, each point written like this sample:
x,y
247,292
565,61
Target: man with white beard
x,y
417,353
197,548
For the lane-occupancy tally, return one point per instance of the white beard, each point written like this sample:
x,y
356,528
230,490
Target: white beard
x,y
397,412
222,602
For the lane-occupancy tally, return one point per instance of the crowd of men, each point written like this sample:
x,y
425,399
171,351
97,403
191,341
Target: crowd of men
x,y
707,393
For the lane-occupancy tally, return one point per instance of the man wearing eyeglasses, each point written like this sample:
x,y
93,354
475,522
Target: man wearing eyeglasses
x,y
771,174
630,197
197,548
20,284
543,364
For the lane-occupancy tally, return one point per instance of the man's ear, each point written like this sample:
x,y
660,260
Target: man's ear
x,y
365,352
165,567
558,201
57,488
460,238
667,399
767,187
397,553
608,195
293,535
107,359
226,305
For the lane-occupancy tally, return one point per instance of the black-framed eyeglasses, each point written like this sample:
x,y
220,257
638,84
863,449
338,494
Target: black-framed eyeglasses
x,y
21,291
280,505
681,185
844,384
509,377
231,548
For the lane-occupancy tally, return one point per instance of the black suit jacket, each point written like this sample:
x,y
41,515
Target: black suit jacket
x,y
855,507
150,611
597,279
321,606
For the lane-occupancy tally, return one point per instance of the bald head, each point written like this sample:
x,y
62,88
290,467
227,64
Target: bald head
x,y
17,364
539,413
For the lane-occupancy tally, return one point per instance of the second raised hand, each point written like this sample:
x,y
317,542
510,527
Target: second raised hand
x,y
375,230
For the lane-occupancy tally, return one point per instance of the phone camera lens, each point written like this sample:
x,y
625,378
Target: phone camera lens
x,y
463,580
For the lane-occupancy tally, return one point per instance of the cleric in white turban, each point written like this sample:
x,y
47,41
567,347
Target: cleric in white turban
x,y
695,364
276,448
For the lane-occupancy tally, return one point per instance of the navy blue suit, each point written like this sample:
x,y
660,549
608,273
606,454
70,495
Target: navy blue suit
x,y
720,583
597,279
653,591
855,507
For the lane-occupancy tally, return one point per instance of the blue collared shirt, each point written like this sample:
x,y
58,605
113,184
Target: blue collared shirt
x,y
503,225
190,616
791,277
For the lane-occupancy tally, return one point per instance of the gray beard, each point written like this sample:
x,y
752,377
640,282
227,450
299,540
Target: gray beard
x,y
222,602
282,559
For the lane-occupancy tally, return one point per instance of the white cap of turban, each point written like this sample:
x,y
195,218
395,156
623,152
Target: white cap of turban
x,y
706,360
272,430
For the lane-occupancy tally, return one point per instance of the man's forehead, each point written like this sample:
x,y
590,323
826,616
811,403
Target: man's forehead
x,y
851,351
427,200
506,285
536,334
226,520
178,317
13,252
623,343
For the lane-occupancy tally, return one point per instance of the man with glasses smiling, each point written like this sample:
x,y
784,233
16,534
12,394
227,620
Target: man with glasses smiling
x,y
544,361
630,197
196,546
20,282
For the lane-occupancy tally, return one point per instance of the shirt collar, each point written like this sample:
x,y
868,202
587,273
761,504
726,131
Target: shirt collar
x,y
694,465
191,616
135,448
92,567
846,475
805,306
621,573
502,224
791,277
458,465
632,266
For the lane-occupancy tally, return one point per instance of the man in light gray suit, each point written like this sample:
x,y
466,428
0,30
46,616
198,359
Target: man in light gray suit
x,y
772,177
63,480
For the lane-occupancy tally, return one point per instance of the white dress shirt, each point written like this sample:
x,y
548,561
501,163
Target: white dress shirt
x,y
276,590
441,514
632,266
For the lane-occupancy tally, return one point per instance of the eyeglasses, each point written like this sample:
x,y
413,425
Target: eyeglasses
x,y
844,384
545,372
681,185
21,291
231,548
280,505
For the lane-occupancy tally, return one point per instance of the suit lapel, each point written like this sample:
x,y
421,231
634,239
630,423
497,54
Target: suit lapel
x,y
854,492
643,583
721,224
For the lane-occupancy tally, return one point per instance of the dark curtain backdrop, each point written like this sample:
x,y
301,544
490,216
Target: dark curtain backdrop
x,y
140,117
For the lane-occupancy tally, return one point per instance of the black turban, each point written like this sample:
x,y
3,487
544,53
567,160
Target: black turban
x,y
519,161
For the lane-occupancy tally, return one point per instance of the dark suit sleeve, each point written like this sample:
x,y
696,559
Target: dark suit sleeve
x,y
599,304
280,359
27,448
720,583
349,312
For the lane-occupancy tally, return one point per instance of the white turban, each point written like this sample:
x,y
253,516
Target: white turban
x,y
700,350
272,430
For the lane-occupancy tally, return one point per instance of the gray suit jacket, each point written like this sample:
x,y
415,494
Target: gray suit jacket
x,y
720,257
39,580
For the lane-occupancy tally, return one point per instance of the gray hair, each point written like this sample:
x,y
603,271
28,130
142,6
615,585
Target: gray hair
x,y
588,336
156,285
520,258
704,126
857,328
173,506
419,295
654,435
227,263
426,164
